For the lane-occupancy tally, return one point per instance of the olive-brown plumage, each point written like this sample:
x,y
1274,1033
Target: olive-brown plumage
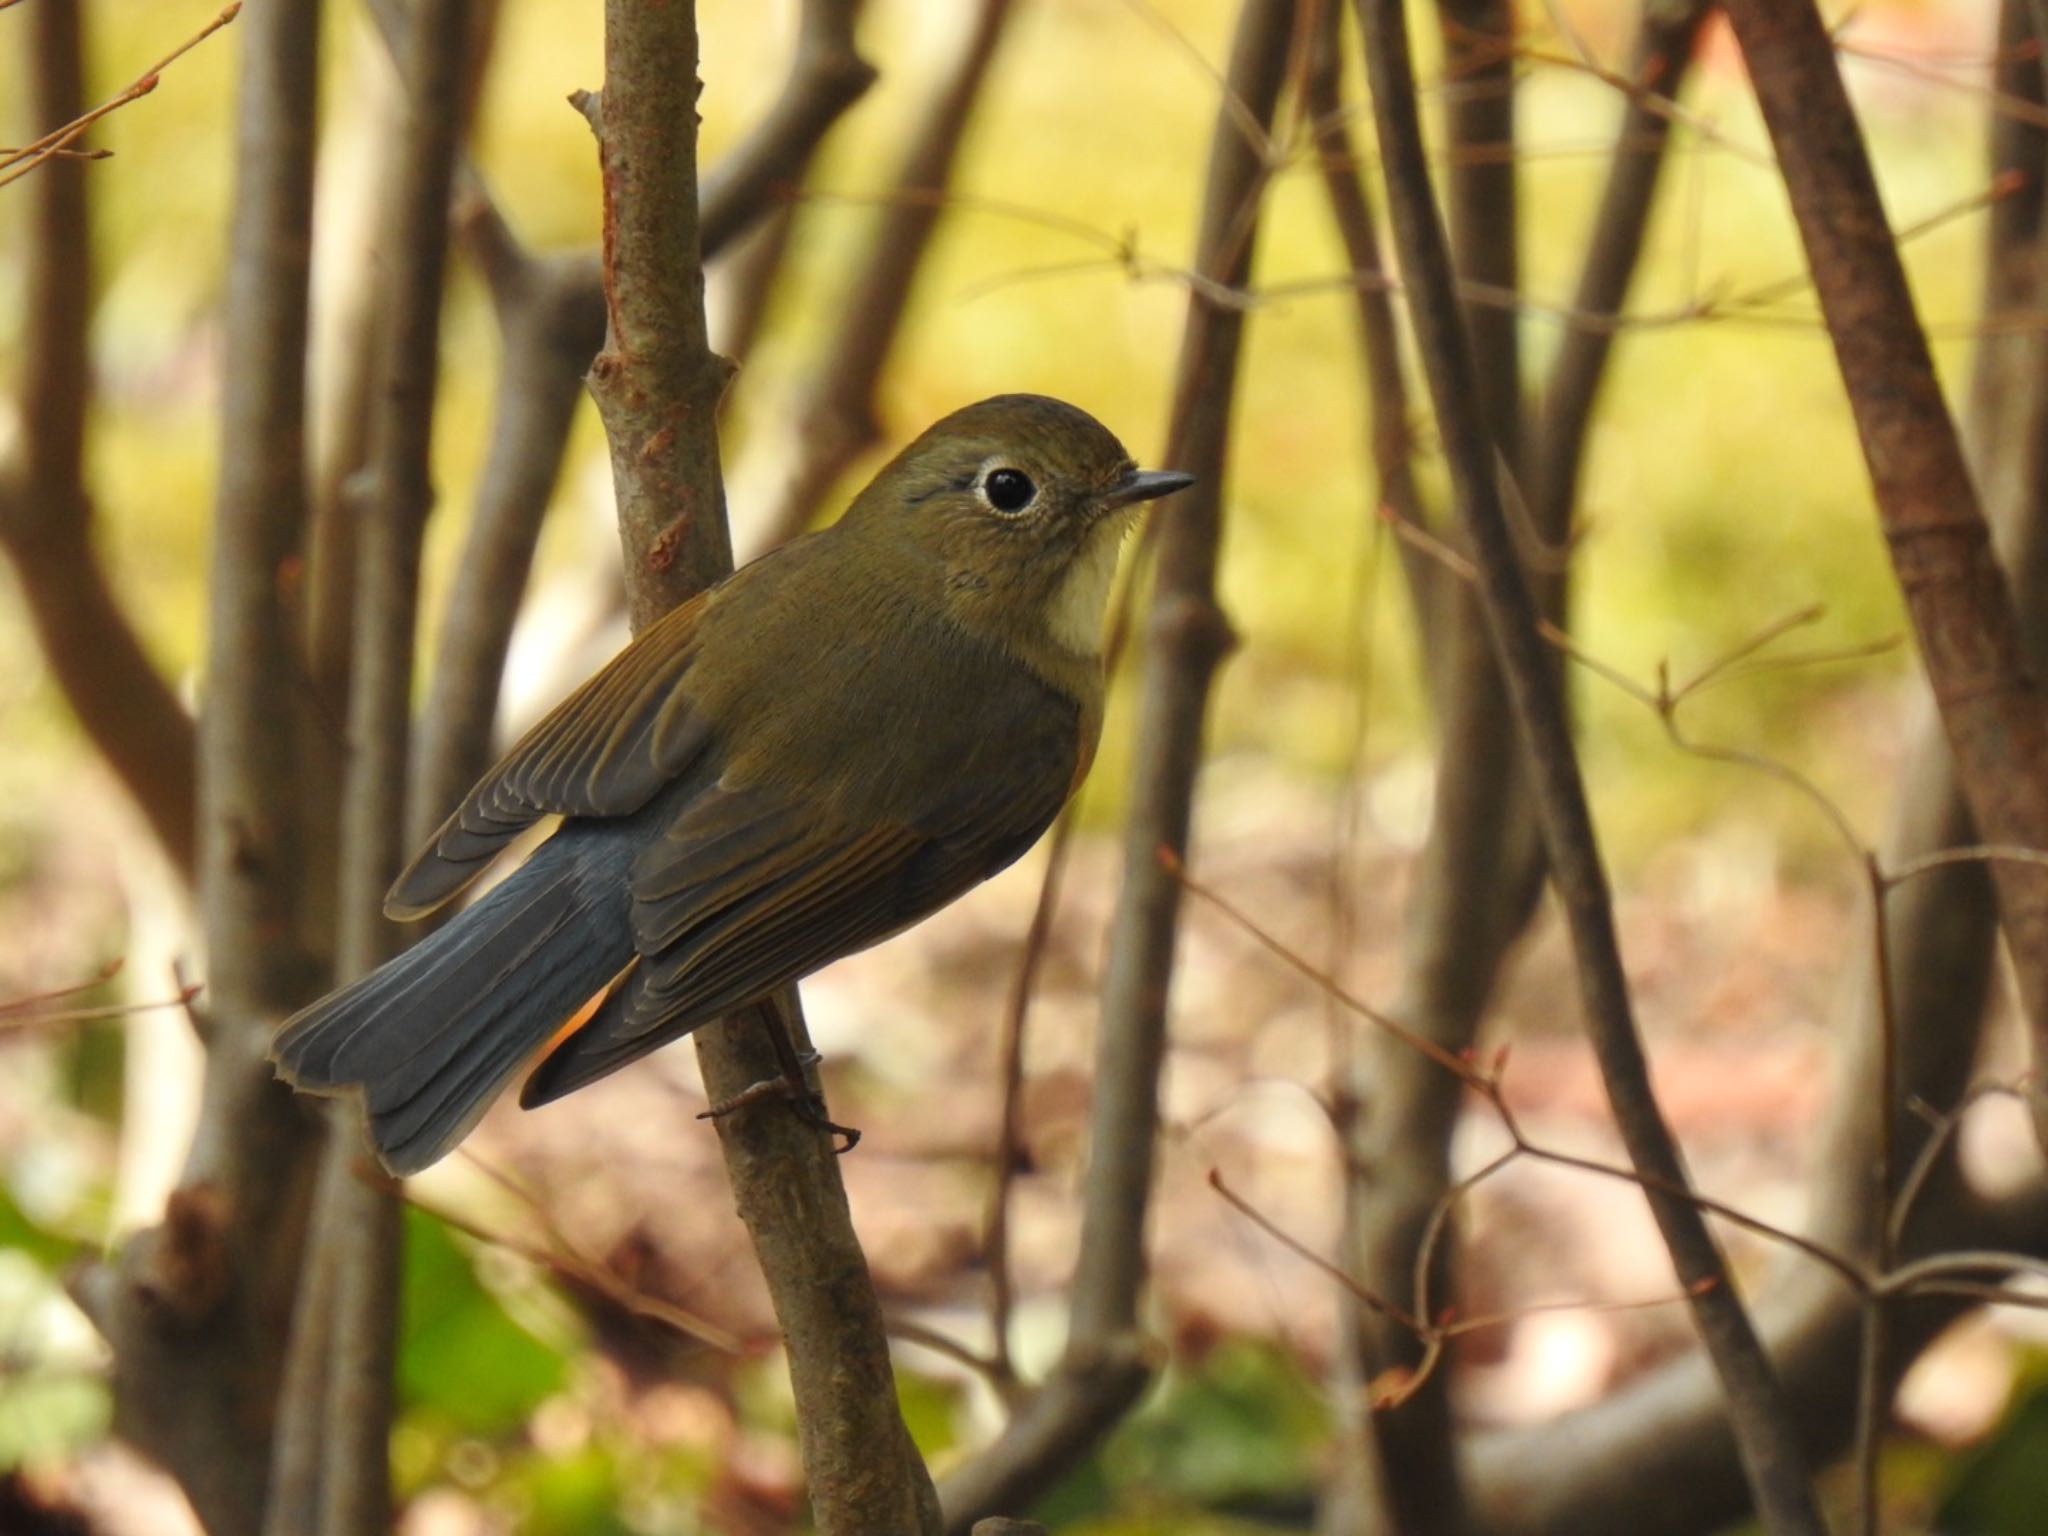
x,y
831,744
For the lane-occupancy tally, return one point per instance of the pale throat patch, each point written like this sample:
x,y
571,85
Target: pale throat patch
x,y
1074,617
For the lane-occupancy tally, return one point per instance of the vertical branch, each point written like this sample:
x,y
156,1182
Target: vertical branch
x,y
1991,706
1190,637
1657,71
359,1218
1481,870
656,381
195,1310
1390,431
834,422
1104,1366
1480,203
551,321
127,710
1763,1427
656,384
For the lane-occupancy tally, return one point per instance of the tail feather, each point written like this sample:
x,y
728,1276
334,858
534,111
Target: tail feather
x,y
430,1038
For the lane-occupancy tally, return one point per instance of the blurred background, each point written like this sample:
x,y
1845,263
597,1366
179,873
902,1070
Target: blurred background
x,y
1723,492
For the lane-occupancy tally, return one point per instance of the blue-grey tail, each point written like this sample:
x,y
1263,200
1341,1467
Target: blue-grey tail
x,y
430,1038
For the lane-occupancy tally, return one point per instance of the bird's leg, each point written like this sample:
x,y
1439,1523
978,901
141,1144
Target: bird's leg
x,y
794,1085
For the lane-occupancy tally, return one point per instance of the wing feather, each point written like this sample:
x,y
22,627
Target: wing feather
x,y
605,750
729,907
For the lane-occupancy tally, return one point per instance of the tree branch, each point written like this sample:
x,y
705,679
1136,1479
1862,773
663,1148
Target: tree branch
x,y
358,1218
1665,1427
196,1309
1105,1364
1991,706
1481,208
550,313
1481,870
126,709
1390,430
657,384
1764,1427
1661,59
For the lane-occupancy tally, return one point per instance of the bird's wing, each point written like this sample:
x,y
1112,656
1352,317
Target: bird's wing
x,y
603,751
747,892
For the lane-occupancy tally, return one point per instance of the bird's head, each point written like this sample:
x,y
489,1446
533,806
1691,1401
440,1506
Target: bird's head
x,y
1021,503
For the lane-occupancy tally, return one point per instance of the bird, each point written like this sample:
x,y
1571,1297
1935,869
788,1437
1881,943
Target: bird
x,y
804,759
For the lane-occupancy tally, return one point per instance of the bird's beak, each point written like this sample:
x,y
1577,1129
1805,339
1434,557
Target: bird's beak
x,y
1146,485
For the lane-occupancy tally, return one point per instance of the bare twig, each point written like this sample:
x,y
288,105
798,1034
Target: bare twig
x,y
1010,1151
657,384
1390,428
1105,1363
1662,57
17,163
1764,1428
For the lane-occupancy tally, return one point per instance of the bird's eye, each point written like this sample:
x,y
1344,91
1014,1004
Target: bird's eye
x,y
1008,490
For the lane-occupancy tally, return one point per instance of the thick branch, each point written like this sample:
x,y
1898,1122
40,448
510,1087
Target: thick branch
x,y
1991,707
196,1309
123,703
1104,1366
657,385
1763,1424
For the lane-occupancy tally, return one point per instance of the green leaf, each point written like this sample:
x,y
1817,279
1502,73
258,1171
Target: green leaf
x,y
461,1358
2002,1488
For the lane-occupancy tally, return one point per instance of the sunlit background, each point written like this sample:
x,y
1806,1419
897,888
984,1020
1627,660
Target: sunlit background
x,y
1723,493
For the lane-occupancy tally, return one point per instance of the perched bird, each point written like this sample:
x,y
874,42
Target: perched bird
x,y
827,746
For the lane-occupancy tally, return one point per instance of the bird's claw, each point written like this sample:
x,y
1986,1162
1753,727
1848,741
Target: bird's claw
x,y
807,1102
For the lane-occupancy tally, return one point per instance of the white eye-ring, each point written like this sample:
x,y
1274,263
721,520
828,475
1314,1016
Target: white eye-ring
x,y
1007,489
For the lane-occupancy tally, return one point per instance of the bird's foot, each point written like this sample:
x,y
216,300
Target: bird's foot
x,y
807,1103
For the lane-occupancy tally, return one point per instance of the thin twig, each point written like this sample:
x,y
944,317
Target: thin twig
x,y
17,163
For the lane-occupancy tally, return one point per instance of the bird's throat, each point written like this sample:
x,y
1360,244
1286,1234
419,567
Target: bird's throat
x,y
1081,600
